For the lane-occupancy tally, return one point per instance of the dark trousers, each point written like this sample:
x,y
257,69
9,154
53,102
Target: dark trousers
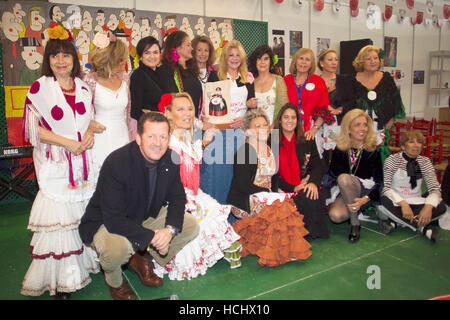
x,y
397,211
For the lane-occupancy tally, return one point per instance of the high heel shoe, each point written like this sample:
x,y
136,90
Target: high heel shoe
x,y
354,233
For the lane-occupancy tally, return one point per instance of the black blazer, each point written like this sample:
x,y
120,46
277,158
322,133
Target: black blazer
x,y
370,166
120,200
244,173
144,90
314,167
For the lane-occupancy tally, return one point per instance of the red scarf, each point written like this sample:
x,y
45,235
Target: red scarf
x,y
289,168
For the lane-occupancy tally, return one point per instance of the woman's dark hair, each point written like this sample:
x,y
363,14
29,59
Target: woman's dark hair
x,y
299,133
145,43
257,54
55,46
212,52
173,41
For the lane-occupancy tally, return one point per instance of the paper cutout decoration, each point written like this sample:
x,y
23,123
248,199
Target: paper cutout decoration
x,y
410,4
430,5
387,13
336,6
446,11
418,19
318,5
373,17
401,15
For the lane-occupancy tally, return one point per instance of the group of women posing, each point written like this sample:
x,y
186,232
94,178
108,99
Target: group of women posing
x,y
278,133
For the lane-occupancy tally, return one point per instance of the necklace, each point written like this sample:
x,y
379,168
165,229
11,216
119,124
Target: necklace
x,y
330,83
204,79
354,158
71,90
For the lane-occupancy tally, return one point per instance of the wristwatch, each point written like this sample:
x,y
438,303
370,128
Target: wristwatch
x,y
173,231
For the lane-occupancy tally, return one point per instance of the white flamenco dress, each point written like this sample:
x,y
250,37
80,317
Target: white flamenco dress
x,y
110,111
60,261
215,235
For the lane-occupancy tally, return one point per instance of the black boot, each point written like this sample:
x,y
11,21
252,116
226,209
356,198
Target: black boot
x,y
62,296
354,233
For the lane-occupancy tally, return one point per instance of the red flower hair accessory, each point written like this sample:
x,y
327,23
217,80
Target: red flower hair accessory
x,y
166,99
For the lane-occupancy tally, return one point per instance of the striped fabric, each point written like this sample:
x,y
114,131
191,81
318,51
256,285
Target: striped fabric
x,y
396,162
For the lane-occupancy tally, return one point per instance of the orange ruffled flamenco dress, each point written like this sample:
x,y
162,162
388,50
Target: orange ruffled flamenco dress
x,y
274,231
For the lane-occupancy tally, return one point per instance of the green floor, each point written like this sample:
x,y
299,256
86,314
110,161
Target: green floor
x,y
410,266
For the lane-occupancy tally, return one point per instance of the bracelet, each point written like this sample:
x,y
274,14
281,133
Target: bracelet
x,y
316,126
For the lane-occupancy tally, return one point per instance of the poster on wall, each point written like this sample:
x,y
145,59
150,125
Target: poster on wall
x,y
23,35
278,48
419,77
295,41
390,49
322,44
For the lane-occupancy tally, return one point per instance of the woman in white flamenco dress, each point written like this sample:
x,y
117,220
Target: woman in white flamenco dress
x,y
216,238
58,123
109,84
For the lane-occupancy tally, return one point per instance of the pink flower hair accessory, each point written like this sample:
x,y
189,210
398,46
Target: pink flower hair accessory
x,y
101,40
174,55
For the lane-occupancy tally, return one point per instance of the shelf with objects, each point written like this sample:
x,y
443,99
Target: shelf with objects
x,y
438,88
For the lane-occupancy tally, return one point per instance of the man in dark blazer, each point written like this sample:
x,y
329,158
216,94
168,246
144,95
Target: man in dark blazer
x,y
138,209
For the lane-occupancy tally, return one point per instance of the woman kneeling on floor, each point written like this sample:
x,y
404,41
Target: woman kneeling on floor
x,y
270,226
355,175
404,173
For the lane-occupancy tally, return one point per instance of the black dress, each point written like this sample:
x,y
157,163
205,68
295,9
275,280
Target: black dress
x,y
312,210
191,84
144,90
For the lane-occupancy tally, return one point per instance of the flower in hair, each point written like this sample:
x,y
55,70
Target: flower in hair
x,y
174,55
165,100
101,40
58,32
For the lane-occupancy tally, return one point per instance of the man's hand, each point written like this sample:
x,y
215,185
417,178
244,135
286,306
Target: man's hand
x,y
161,241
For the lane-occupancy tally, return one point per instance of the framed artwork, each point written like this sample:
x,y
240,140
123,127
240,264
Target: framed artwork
x,y
295,41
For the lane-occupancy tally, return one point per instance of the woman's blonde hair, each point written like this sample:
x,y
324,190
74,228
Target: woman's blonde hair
x,y
179,95
104,60
223,67
343,141
358,63
322,56
296,56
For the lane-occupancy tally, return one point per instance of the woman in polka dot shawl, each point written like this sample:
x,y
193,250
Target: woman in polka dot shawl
x,y
58,123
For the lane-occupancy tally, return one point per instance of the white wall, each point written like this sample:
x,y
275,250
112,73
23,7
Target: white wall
x,y
414,42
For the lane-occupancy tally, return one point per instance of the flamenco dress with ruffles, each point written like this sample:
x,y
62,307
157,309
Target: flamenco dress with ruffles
x,y
60,261
270,227
215,235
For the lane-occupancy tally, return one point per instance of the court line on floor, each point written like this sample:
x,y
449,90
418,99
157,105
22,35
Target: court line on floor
x,y
331,268
132,288
373,231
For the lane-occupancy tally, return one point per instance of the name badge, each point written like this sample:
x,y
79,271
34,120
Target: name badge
x,y
310,86
372,95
